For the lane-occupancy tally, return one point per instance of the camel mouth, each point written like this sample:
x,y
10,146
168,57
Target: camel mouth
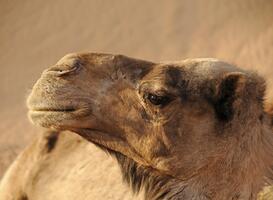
x,y
68,109
59,118
58,111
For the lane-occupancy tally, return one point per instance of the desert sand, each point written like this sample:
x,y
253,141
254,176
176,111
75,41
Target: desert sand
x,y
35,34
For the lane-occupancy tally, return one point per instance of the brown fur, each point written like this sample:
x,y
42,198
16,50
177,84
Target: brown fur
x,y
209,138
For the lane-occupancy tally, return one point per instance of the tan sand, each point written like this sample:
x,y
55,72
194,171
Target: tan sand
x,y
34,34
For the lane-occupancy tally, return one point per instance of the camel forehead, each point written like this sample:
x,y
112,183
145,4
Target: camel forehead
x,y
190,72
203,66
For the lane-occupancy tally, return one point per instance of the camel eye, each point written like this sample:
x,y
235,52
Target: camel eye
x,y
158,100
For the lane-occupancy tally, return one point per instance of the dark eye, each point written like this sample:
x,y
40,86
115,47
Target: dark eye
x,y
158,100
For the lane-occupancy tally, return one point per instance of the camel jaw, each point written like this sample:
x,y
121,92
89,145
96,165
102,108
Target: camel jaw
x,y
111,142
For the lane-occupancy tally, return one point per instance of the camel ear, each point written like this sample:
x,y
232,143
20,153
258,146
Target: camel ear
x,y
230,89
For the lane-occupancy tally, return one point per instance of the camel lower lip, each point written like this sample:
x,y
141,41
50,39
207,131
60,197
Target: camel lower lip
x,y
53,118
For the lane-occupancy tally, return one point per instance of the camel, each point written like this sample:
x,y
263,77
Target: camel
x,y
193,129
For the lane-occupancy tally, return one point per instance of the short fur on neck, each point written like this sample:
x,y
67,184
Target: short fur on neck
x,y
158,186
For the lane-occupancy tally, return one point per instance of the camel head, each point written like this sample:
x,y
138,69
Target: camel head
x,y
180,119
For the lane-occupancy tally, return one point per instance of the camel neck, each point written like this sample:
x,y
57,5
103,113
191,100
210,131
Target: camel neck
x,y
238,176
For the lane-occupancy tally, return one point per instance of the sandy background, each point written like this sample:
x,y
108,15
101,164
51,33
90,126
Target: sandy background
x,y
34,34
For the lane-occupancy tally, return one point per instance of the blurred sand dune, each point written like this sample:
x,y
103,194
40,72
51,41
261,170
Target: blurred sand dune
x,y
35,34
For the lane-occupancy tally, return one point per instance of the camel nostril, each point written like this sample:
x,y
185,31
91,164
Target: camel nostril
x,y
64,68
